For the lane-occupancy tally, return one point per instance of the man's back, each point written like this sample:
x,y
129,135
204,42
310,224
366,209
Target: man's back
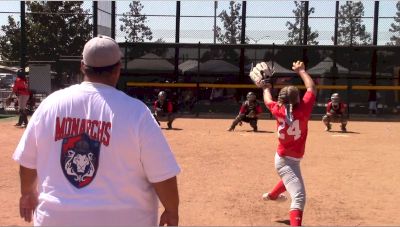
x,y
97,152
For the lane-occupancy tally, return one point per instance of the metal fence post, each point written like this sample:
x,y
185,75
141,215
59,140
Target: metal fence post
x,y
375,42
126,56
305,32
334,69
374,59
242,41
348,80
23,37
198,79
95,8
113,19
177,34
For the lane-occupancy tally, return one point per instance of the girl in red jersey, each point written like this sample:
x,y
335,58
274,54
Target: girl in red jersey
x,y
292,115
20,88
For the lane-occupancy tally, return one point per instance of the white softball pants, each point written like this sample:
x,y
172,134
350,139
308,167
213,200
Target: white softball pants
x,y
289,171
22,101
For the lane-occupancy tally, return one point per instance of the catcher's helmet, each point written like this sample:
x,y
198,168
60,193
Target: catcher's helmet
x,y
335,98
251,96
162,95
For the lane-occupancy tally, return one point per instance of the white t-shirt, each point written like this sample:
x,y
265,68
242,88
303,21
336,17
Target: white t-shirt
x,y
96,151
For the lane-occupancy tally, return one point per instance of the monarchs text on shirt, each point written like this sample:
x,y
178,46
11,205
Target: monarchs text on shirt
x,y
96,129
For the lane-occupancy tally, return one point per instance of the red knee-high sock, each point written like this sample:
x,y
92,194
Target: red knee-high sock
x,y
277,190
296,217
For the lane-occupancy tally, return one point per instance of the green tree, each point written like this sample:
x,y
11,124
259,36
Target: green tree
x,y
232,24
351,30
53,28
11,40
296,29
395,28
134,24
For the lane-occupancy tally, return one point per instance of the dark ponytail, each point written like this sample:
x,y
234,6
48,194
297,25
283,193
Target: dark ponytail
x,y
289,97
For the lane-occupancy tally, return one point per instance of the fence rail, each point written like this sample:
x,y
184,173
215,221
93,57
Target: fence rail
x,y
251,86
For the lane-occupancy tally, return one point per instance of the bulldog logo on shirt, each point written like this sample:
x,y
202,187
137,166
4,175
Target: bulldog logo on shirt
x,y
80,159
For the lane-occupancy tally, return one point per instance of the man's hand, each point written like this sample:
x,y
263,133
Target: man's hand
x,y
167,192
27,205
298,66
169,219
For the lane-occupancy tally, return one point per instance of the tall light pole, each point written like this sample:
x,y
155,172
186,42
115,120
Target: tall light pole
x,y
258,39
255,40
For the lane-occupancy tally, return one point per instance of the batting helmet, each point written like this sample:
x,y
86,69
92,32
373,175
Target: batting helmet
x,y
251,96
335,98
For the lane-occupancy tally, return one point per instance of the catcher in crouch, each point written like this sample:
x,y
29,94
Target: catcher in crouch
x,y
163,109
249,112
336,113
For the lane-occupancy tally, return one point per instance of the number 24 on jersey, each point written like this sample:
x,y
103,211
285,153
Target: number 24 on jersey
x,y
292,130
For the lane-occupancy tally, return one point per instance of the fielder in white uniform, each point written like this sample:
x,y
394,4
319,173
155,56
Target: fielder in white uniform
x,y
92,155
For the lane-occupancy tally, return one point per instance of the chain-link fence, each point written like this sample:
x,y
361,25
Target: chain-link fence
x,y
185,42
265,22
204,67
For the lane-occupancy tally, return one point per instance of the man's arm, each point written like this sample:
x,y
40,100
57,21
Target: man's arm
x,y
29,194
167,192
299,68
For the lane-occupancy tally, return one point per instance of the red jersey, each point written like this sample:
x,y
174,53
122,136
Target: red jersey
x,y
21,87
340,109
292,138
247,107
166,106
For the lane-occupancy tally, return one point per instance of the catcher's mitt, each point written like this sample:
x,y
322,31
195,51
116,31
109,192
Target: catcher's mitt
x,y
251,114
262,75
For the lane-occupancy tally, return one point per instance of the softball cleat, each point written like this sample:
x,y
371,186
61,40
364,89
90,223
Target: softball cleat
x,y
281,198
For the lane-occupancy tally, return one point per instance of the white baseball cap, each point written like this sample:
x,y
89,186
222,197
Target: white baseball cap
x,y
101,51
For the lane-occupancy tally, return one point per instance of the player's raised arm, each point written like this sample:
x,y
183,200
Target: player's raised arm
x,y
299,68
267,96
262,75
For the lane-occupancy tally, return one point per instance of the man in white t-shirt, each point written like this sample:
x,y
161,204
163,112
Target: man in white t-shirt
x,y
92,155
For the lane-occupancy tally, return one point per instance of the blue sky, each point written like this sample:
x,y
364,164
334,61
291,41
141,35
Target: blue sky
x,y
261,30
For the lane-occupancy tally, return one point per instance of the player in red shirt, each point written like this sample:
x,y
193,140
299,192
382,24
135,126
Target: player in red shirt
x,y
163,109
335,112
249,112
20,88
292,115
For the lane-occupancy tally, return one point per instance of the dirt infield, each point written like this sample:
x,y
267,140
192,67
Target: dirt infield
x,y
351,179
